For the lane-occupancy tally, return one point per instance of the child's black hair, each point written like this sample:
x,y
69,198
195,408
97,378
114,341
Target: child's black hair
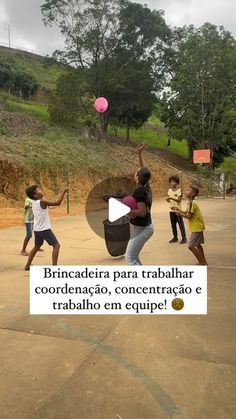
x,y
31,191
175,178
144,175
195,190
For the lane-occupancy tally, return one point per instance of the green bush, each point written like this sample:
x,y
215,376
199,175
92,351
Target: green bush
x,y
37,110
17,82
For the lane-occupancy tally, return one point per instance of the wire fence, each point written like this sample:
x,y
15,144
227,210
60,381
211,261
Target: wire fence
x,y
212,185
20,48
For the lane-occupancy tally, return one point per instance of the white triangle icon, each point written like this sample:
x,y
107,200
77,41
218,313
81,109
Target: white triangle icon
x,y
116,210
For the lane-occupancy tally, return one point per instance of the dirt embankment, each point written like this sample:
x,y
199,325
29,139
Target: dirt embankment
x,y
15,176
32,152
18,123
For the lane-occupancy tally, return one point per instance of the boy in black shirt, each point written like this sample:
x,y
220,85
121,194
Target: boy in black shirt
x,y
174,198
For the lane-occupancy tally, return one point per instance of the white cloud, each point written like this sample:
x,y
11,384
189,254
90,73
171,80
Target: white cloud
x,y
3,25
3,14
197,12
28,31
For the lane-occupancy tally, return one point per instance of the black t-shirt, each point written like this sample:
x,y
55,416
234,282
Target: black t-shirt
x,y
143,194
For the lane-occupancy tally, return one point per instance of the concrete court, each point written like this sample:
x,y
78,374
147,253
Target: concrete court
x,y
120,367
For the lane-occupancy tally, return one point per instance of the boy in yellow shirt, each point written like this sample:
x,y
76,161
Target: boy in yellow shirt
x,y
196,225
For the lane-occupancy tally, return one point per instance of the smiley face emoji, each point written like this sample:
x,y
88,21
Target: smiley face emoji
x,y
177,304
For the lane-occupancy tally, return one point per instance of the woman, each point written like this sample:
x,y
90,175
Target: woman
x,y
140,217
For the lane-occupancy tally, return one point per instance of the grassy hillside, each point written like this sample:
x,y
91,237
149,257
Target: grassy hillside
x,y
45,70
37,110
47,157
229,164
151,134
33,150
153,137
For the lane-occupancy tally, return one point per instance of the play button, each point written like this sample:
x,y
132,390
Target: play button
x,y
116,210
104,204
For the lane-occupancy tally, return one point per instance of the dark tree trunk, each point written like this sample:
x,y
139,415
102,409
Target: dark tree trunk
x,y
169,141
104,122
127,133
190,152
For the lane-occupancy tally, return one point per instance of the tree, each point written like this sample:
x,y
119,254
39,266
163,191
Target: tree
x,y
7,81
70,96
142,29
131,96
98,32
25,84
200,97
88,26
17,82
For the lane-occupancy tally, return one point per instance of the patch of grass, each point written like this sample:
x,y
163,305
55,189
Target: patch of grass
x,y
37,110
150,137
53,151
153,121
45,70
229,165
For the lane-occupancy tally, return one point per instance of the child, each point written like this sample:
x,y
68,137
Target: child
x,y
196,225
42,225
29,224
174,198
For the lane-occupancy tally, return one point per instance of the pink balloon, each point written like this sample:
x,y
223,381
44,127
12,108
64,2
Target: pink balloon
x,y
131,202
101,104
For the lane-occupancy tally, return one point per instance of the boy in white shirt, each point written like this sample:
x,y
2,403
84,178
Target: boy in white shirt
x,y
174,198
42,224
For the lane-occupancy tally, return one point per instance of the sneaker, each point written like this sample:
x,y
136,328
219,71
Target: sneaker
x,y
174,240
183,241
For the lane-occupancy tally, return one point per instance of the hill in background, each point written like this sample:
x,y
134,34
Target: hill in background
x,y
33,150
44,69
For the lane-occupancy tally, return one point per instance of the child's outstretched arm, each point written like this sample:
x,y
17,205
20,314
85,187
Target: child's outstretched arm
x,y
141,147
45,203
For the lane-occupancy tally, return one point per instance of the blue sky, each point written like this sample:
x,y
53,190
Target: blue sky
x,y
27,30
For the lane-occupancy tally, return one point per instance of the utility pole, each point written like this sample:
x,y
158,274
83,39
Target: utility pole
x,y
8,29
9,35
68,193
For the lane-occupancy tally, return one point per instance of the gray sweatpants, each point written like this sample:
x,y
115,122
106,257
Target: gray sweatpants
x,y
139,236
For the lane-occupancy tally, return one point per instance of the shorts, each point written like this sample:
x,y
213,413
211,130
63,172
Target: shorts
x,y
46,235
29,230
195,239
